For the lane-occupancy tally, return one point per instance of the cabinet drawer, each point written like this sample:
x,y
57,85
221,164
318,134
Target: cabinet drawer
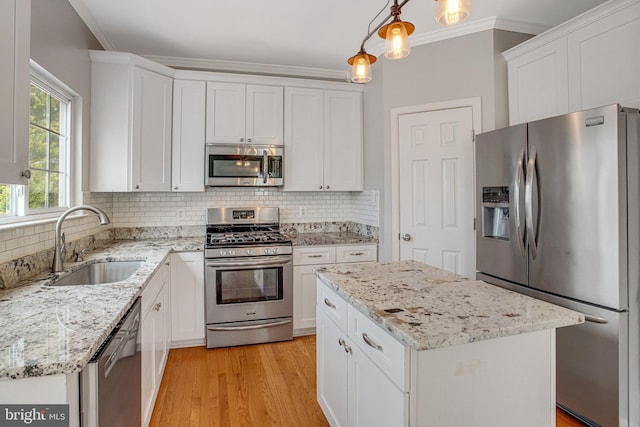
x,y
389,354
314,255
356,253
332,305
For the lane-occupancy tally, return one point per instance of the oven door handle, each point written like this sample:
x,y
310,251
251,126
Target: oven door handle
x,y
250,262
248,328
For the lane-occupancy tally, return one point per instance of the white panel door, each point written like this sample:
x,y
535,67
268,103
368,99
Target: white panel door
x,y
151,146
304,297
226,106
265,115
343,170
437,189
331,361
303,139
187,297
15,18
189,101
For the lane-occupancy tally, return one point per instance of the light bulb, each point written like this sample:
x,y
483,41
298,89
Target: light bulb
x,y
452,11
361,70
396,44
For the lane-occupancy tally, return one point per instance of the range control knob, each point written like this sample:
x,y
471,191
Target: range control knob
x,y
275,250
249,251
267,251
232,252
223,253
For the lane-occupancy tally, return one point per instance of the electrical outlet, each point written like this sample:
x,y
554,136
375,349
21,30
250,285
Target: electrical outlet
x,y
180,213
302,212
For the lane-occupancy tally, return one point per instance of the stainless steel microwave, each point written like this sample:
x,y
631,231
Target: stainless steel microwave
x,y
244,165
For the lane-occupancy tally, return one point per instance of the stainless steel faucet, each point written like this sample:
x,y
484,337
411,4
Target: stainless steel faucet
x,y
59,249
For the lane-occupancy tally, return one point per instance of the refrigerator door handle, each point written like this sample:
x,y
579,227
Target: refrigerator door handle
x,y
516,201
528,203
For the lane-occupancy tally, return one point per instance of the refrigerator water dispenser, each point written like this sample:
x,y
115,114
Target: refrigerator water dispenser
x,y
495,212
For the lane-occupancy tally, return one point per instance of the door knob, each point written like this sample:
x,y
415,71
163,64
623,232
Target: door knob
x,y
406,237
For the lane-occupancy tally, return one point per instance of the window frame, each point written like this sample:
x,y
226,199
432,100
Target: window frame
x,y
20,214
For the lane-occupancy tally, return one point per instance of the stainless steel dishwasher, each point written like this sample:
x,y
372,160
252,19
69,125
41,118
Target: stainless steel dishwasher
x,y
110,384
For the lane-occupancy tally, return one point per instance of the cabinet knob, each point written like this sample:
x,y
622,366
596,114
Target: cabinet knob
x,y
175,187
137,186
248,139
321,187
241,139
327,187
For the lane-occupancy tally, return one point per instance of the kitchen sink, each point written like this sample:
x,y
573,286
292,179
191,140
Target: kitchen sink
x,y
99,273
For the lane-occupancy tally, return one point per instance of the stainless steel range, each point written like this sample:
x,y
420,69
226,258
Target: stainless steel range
x,y
248,277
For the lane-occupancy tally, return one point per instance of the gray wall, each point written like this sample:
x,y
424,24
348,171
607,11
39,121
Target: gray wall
x,y
468,66
59,42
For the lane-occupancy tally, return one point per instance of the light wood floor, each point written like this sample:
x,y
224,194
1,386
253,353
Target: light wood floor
x,y
253,386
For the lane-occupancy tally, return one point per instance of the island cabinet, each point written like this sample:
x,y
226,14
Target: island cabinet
x,y
239,113
306,259
131,114
323,140
15,18
187,299
406,344
155,337
581,64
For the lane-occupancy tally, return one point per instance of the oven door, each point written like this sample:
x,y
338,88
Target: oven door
x,y
244,165
247,289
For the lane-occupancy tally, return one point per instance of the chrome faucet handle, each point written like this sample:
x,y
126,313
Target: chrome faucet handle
x,y
80,255
63,247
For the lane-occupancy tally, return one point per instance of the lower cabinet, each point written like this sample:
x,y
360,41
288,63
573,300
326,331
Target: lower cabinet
x,y
352,389
155,338
187,299
305,261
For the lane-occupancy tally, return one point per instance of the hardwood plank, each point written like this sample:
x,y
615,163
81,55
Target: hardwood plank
x,y
261,385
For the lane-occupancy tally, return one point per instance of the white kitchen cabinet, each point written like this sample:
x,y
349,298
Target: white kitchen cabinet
x,y
539,83
155,338
15,19
240,113
352,390
583,63
187,299
604,61
323,140
187,158
131,113
306,259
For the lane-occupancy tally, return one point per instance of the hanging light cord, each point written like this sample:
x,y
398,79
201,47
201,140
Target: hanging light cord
x,y
384,21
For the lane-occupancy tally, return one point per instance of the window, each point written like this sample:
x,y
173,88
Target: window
x,y
49,155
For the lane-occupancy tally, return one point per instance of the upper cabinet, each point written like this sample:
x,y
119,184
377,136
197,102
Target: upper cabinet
x,y
130,123
189,99
239,113
584,63
15,17
323,140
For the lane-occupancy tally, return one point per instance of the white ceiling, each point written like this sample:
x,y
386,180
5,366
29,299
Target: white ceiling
x,y
318,34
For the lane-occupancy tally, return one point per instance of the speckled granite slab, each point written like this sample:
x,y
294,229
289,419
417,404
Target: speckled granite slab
x,y
48,330
438,308
321,239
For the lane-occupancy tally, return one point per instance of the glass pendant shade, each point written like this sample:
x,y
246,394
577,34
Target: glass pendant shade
x,y
396,43
361,67
452,11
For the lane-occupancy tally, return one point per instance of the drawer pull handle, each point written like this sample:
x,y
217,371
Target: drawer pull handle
x,y
314,256
347,349
356,253
329,303
341,342
370,342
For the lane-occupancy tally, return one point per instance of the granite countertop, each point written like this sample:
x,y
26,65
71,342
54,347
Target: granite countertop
x,y
49,330
325,239
438,308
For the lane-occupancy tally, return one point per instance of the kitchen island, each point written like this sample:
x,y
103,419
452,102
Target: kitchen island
x,y
407,344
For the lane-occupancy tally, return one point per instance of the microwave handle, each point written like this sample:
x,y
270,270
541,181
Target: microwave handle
x,y
265,165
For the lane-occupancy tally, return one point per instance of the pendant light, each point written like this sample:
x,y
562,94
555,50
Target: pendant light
x,y
451,12
396,35
361,66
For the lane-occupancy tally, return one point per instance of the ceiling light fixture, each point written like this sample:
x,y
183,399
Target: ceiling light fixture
x,y
396,34
451,12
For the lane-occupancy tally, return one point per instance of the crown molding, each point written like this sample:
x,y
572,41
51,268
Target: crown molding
x,y
85,14
249,67
492,23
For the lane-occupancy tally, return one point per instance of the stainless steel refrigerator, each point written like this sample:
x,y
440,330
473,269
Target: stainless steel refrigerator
x,y
558,218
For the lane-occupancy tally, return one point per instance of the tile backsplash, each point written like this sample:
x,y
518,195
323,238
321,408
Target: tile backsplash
x,y
127,210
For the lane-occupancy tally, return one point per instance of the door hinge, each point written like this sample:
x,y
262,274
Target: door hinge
x,y
474,224
473,135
